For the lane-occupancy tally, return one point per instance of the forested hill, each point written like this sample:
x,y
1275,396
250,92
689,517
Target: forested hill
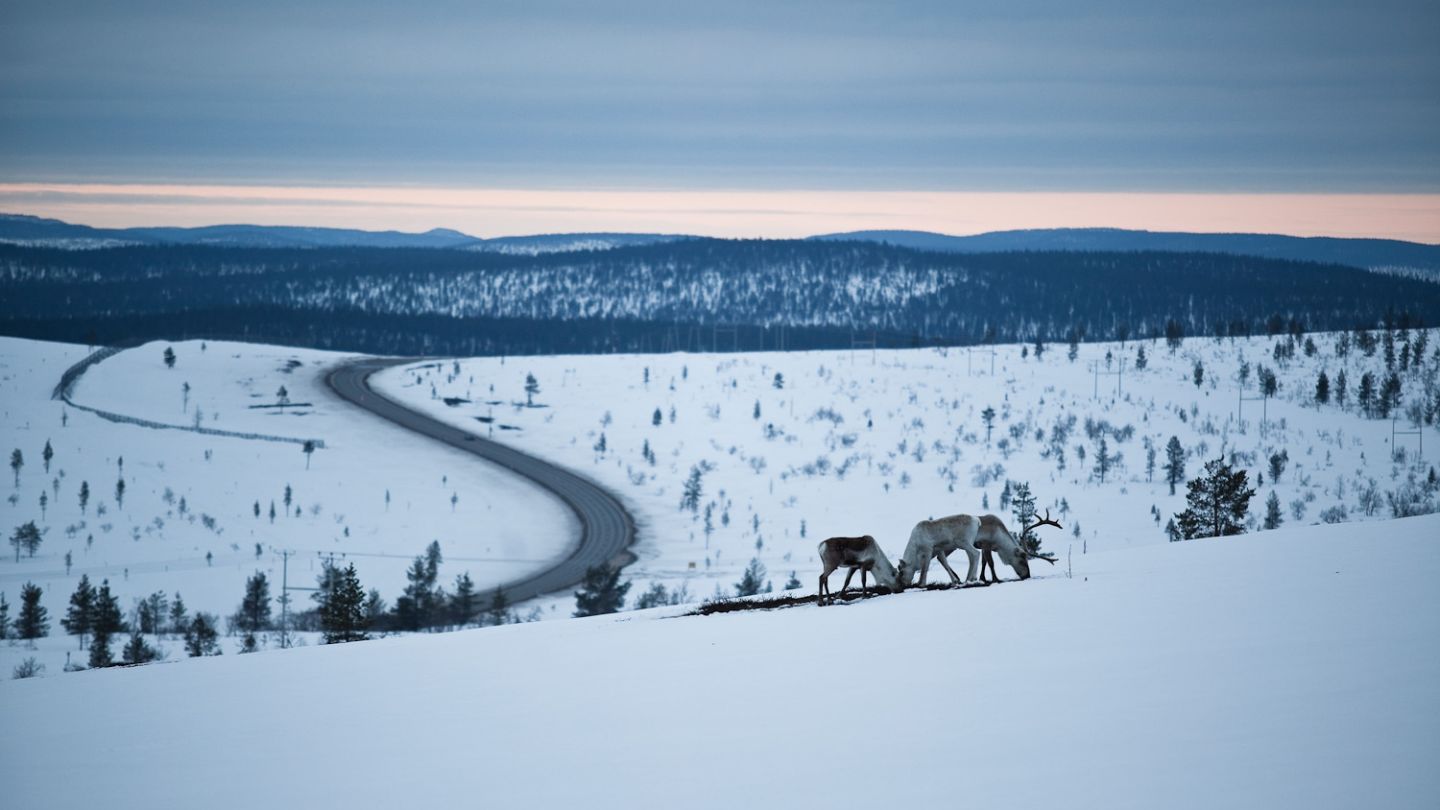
x,y
653,296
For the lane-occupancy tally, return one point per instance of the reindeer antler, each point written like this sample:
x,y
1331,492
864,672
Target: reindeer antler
x,y
1045,521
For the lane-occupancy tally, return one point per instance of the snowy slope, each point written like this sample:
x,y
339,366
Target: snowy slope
x,y
870,443
1294,668
500,527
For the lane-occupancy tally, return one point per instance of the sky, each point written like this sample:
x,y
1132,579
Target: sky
x,y
770,118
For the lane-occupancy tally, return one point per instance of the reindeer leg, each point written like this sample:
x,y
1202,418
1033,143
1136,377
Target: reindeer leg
x,y
846,586
974,555
987,560
924,571
820,597
954,577
864,590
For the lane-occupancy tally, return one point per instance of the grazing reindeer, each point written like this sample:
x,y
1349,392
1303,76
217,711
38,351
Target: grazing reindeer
x,y
977,537
856,553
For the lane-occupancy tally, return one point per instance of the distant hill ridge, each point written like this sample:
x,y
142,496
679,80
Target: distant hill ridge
x,y
1383,254
1367,253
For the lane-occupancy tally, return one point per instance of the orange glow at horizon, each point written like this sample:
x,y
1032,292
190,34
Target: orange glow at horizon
x,y
728,213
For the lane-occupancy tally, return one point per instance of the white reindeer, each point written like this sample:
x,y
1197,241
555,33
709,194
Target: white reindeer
x,y
977,537
856,553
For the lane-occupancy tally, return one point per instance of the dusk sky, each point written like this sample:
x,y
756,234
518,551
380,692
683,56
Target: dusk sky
x,y
726,118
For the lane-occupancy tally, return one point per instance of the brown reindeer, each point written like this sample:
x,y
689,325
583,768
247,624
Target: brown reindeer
x,y
861,554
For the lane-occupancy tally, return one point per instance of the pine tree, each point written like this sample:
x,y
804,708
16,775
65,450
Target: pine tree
x,y
343,616
1342,388
1172,531
1322,389
419,603
601,592
1273,516
463,602
1023,507
690,497
1140,359
33,621
1216,503
1103,460
1174,463
254,613
17,460
105,622
169,357
27,536
137,651
988,417
152,613
753,580
47,454
1278,462
532,387
201,637
499,607
177,614
120,493
1365,398
80,615
1199,373
84,495
4,618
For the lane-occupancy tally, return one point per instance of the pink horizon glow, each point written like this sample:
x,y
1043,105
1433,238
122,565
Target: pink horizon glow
x,y
726,213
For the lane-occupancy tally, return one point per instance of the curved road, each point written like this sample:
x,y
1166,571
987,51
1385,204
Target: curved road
x,y
606,529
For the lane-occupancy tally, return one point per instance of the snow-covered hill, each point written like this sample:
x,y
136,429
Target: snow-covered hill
x,y
374,495
854,443
1293,668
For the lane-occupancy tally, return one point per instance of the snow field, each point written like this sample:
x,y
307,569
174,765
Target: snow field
x,y
1292,668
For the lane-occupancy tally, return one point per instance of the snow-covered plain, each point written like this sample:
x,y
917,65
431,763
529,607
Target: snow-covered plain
x,y
498,528
871,442
1292,668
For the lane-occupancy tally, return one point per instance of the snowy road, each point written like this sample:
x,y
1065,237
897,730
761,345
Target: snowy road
x,y
606,528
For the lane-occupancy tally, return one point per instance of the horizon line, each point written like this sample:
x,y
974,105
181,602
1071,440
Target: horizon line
x,y
493,212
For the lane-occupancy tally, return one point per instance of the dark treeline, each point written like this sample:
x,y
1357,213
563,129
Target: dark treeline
x,y
671,296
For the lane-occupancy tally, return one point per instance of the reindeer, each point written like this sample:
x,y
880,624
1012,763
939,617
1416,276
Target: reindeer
x,y
857,553
977,537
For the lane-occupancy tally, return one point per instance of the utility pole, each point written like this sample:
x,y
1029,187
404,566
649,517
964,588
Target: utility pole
x,y
284,599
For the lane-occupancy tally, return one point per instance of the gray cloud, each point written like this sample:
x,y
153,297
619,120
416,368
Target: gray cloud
x,y
1303,96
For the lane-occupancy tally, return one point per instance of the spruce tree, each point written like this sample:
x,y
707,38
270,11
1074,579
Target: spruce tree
x,y
499,608
1216,503
254,612
1273,515
690,496
4,618
463,602
47,454
201,637
105,622
177,614
753,580
602,592
137,651
84,495
343,615
1174,463
1322,389
17,460
81,613
33,621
